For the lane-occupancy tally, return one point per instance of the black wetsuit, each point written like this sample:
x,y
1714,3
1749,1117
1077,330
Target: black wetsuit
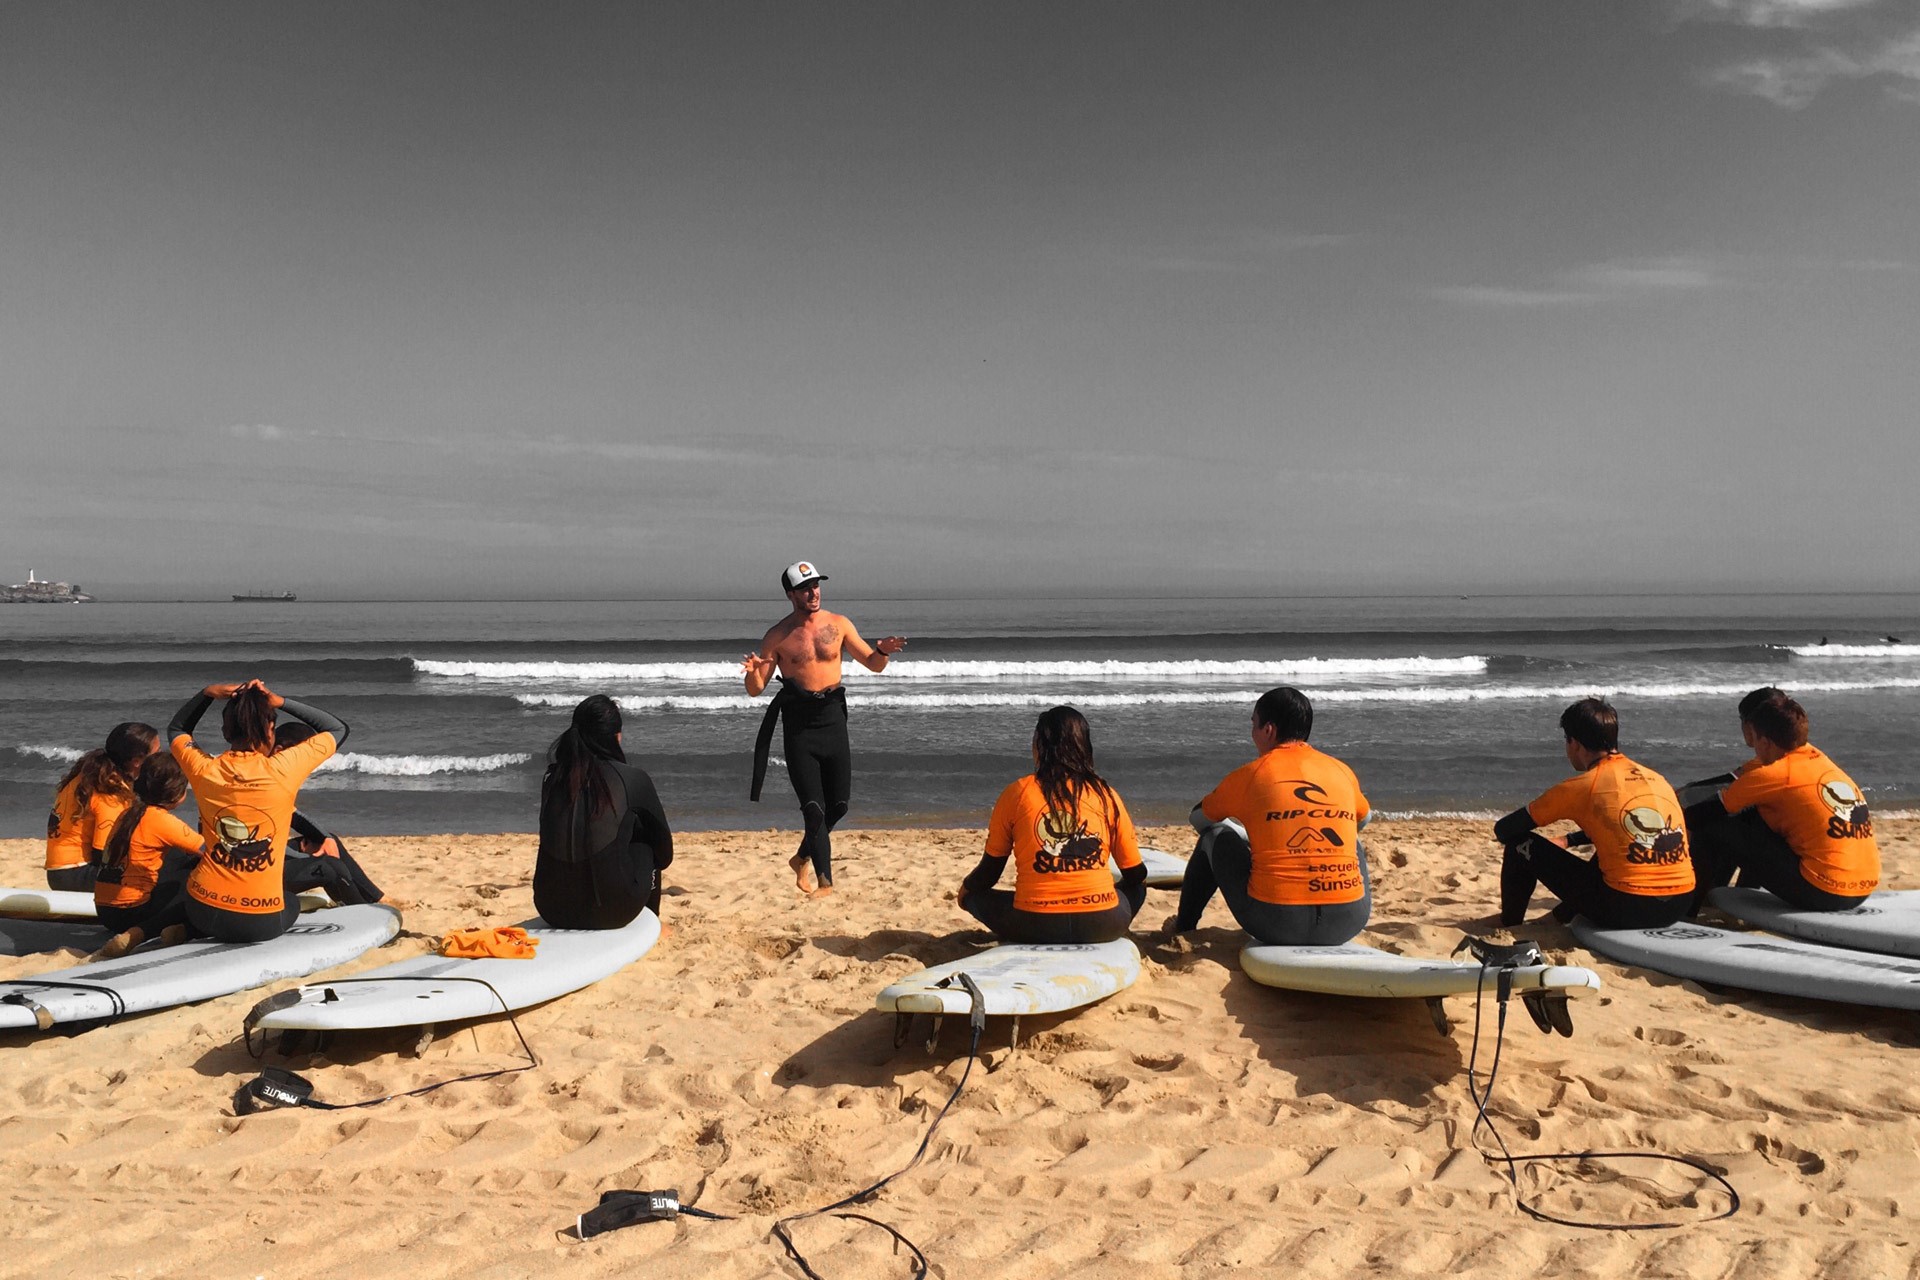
x,y
599,871
1531,859
819,764
339,876
1725,843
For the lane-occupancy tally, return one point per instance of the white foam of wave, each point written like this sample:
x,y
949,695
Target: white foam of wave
x,y
1855,650
59,755
956,672
1458,815
1205,697
420,766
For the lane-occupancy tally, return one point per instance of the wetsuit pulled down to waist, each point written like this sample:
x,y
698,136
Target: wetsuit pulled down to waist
x,y
819,764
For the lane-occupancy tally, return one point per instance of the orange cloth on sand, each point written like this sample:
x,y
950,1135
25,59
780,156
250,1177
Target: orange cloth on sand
x,y
506,942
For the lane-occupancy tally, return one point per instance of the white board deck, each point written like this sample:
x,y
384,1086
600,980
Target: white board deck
x,y
1019,978
41,904
1357,970
67,904
1762,962
1164,870
435,989
1886,922
159,977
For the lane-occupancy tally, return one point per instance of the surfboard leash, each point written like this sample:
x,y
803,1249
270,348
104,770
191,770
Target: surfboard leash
x,y
1483,1095
277,1087
624,1208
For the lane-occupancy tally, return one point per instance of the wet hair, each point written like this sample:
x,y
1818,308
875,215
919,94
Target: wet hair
x,y
247,719
1779,719
1765,693
593,736
109,770
1063,762
1287,711
160,782
1593,723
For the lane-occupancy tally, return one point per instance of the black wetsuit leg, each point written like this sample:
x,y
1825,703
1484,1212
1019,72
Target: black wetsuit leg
x,y
165,906
820,766
1582,891
340,877
1744,842
78,879
1224,859
994,908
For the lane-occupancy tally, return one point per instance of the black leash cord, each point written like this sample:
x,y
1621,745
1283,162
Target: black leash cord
x,y
1482,1097
532,1060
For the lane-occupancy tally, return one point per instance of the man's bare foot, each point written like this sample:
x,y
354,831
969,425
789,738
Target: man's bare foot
x,y
802,870
825,890
173,935
118,945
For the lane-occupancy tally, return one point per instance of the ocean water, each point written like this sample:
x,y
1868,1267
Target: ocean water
x,y
1443,705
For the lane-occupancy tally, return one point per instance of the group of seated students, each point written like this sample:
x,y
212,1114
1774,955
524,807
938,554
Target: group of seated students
x,y
1278,837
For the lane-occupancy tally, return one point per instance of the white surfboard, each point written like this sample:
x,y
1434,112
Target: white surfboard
x,y
1164,870
1019,978
1353,969
159,977
435,989
67,904
1886,922
41,904
1761,962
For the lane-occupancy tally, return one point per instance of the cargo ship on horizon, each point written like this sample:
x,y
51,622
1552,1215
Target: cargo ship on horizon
x,y
265,597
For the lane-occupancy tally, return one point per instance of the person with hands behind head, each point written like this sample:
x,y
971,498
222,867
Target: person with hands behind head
x,y
1640,877
246,797
806,650
1061,824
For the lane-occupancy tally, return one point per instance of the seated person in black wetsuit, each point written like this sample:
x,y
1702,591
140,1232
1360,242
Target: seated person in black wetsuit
x,y
142,889
317,859
603,838
1060,824
1790,821
1640,876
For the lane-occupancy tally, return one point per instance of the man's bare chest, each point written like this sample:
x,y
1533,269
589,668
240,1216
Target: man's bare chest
x,y
811,644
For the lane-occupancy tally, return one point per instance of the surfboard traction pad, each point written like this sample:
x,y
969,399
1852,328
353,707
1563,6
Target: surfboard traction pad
x,y
1887,922
1761,962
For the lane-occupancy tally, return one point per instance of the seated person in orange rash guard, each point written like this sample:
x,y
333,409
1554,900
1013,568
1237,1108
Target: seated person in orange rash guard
x,y
1791,821
1640,876
246,797
142,890
1059,824
1294,872
89,800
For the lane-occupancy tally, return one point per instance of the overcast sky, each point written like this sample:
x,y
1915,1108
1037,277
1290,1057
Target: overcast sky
x,y
465,300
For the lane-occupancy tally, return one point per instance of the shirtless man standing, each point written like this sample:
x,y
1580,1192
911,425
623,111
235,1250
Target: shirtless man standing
x,y
806,648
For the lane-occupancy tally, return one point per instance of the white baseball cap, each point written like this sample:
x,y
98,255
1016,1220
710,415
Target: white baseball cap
x,y
799,574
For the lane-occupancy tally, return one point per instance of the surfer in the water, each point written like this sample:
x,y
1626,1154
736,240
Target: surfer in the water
x,y
1640,876
1293,873
1790,821
806,649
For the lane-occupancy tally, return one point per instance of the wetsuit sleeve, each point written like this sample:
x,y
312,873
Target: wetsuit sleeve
x,y
986,874
1133,875
1709,810
188,716
651,820
306,827
1515,827
318,719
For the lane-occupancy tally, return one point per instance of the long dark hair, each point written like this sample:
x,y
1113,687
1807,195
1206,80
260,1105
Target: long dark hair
x,y
1063,762
161,782
593,736
247,719
109,770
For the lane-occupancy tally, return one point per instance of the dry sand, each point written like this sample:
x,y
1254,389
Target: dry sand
x,y
1195,1125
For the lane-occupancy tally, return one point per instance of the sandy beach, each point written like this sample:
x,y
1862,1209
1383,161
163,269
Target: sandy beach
x,y
1197,1124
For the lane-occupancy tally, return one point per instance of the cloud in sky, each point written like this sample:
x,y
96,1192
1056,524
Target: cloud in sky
x,y
1626,280
1831,41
